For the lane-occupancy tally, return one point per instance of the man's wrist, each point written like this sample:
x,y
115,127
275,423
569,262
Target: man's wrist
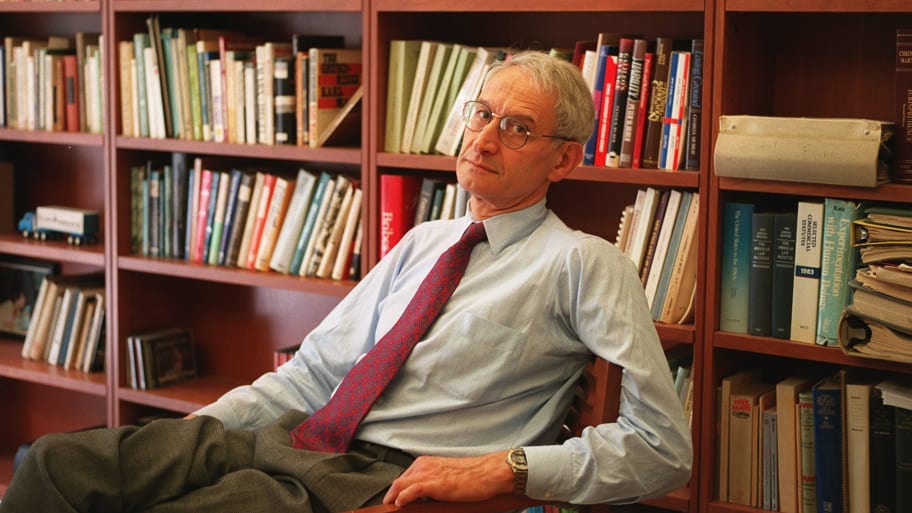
x,y
516,459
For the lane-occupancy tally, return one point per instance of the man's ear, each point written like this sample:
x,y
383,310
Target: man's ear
x,y
570,156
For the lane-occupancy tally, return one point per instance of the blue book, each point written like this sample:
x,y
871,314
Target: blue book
x,y
307,229
828,445
665,277
210,217
736,253
837,266
230,222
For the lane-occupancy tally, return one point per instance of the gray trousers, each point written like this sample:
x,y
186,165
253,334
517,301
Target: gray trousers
x,y
174,465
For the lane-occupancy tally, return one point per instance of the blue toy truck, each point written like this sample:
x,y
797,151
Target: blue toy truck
x,y
77,226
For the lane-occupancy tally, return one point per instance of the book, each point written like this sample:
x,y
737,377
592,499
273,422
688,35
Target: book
x,y
679,299
903,419
398,202
307,227
305,183
868,337
883,454
160,77
454,74
806,282
313,226
770,454
644,213
736,267
228,225
255,194
619,103
403,61
284,100
858,444
259,220
639,136
433,80
334,241
632,107
349,242
324,229
450,137
886,309
603,79
837,265
92,358
658,97
239,218
806,452
759,322
335,75
744,413
656,267
283,189
673,124
902,143
730,384
692,135
829,443
674,243
787,391
345,125
783,275
653,238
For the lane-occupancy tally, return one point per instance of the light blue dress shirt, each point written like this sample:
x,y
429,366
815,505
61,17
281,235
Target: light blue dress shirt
x,y
498,366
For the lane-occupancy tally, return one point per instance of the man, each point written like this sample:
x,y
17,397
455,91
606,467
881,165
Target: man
x,y
492,377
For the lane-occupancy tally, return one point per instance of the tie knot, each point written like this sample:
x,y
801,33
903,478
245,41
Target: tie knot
x,y
474,234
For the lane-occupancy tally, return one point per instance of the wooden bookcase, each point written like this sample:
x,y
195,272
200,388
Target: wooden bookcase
x,y
817,58
835,59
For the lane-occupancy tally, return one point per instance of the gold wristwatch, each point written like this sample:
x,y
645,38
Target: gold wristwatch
x,y
516,458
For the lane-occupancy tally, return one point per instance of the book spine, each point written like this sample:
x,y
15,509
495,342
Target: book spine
x,y
902,140
783,275
658,96
806,443
883,455
632,107
283,84
903,419
736,266
242,210
858,455
297,257
806,284
828,447
694,108
229,224
761,274
837,265
643,111
619,105
398,201
598,91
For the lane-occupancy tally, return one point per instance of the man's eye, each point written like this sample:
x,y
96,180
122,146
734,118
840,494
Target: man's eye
x,y
483,114
515,127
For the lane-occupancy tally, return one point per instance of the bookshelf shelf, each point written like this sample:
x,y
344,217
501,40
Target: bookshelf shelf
x,y
183,397
254,151
151,6
47,137
52,6
13,366
52,250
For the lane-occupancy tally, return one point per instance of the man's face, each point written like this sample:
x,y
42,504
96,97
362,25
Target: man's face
x,y
501,179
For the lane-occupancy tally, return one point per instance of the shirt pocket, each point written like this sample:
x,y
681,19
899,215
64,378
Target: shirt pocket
x,y
480,361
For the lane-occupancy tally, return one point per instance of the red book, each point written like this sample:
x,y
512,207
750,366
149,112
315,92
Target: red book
x,y
398,201
259,223
71,113
604,114
640,129
202,214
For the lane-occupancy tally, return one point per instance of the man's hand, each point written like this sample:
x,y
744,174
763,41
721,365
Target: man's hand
x,y
452,479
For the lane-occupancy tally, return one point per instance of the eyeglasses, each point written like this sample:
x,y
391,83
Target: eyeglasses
x,y
513,132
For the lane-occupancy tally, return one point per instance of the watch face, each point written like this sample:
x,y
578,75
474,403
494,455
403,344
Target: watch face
x,y
518,459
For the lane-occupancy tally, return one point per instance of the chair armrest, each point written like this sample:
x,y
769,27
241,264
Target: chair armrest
x,y
497,504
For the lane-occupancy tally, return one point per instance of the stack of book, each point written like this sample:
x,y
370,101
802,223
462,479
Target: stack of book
x,y
52,83
67,325
658,232
161,357
223,86
309,225
878,321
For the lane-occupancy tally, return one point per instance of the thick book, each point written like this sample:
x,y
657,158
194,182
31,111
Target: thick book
x,y
806,284
403,61
858,444
807,468
783,275
743,410
398,201
335,76
837,266
889,310
759,311
829,441
883,454
789,482
835,151
692,136
902,143
658,96
736,267
632,107
731,384
639,131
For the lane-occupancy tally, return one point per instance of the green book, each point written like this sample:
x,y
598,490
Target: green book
x,y
402,64
736,254
837,267
141,41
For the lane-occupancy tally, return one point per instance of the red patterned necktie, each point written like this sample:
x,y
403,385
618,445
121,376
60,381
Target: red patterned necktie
x,y
330,429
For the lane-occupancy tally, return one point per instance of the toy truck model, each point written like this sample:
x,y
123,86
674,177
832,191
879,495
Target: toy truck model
x,y
78,226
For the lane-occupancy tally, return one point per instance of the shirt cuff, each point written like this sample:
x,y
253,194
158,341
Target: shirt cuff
x,y
550,472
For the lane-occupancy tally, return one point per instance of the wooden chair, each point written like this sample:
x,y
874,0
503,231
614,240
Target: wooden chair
x,y
596,402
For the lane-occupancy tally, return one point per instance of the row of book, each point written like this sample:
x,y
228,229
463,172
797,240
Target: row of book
x,y
877,322
309,225
224,86
409,200
67,326
680,362
659,233
160,358
815,441
648,100
52,83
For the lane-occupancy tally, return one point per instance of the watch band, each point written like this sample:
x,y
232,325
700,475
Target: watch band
x,y
516,459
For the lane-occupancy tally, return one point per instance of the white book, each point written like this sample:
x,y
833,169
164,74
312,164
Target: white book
x,y
216,119
348,236
154,95
251,219
806,286
250,103
449,200
294,221
334,241
661,249
134,97
643,227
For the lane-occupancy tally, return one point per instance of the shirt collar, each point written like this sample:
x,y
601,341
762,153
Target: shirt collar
x,y
505,229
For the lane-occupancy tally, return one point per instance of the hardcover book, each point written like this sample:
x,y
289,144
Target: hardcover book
x,y
883,454
837,267
761,274
829,443
806,284
783,275
658,96
902,143
787,391
736,267
335,75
